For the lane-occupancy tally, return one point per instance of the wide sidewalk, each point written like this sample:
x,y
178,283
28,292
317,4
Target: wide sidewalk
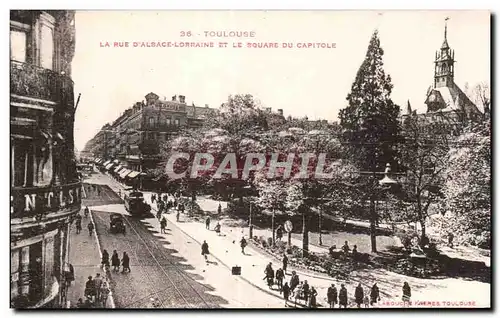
x,y
85,256
228,253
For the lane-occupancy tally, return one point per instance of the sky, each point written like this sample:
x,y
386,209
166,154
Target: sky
x,y
301,81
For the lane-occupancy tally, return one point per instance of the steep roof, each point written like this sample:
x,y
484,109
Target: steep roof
x,y
451,98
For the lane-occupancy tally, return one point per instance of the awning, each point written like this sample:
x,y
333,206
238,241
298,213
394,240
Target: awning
x,y
118,168
106,163
109,166
116,161
133,174
124,173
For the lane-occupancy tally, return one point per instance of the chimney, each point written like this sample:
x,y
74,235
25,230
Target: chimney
x,y
268,109
174,98
206,105
280,112
182,99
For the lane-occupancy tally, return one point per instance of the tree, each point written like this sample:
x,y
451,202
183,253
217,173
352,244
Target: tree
x,y
480,95
272,198
424,157
370,122
467,190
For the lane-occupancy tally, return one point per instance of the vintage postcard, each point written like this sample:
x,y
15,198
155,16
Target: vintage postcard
x,y
330,160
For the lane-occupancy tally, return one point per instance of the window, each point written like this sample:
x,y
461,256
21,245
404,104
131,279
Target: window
x,y
46,41
177,121
47,47
151,122
18,41
168,120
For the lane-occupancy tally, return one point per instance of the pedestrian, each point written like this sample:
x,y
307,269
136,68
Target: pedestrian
x,y
366,300
207,223
359,295
355,252
105,291
269,275
243,244
163,225
153,198
342,296
90,226
105,260
204,250
374,294
115,261
286,293
217,228
78,225
312,297
158,214
219,209
285,262
346,248
450,240
406,294
294,281
177,216
86,211
97,286
279,232
305,287
125,262
331,295
279,278
89,288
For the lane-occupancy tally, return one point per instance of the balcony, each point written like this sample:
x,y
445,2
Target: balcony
x,y
36,82
37,201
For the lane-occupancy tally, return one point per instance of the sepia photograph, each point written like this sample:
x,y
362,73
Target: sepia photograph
x,y
272,159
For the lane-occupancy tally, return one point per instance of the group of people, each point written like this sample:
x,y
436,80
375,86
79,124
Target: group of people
x,y
97,288
217,226
96,292
296,289
115,261
361,297
78,222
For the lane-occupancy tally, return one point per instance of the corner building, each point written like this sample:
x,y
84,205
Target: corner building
x,y
45,191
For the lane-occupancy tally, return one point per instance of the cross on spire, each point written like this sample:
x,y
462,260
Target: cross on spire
x,y
446,27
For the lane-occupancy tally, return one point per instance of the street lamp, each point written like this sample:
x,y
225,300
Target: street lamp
x,y
250,225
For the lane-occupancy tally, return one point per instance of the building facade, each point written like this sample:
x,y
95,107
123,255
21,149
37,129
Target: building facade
x,y
445,101
45,189
135,137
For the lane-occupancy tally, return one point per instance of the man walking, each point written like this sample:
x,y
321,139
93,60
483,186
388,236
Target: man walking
x,y
285,263
207,223
243,244
204,250
90,226
343,297
279,278
163,225
78,224
331,295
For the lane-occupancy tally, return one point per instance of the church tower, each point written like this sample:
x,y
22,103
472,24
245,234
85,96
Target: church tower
x,y
444,63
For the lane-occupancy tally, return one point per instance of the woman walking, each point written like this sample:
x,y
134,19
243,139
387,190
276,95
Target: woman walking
x,y
125,262
115,261
105,260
